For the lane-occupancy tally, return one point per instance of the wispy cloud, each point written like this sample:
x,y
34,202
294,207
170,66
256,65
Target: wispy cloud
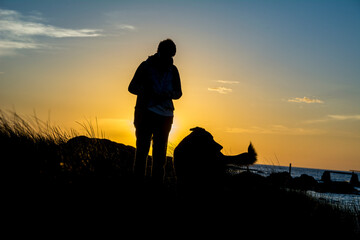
x,y
305,100
222,90
345,117
328,118
19,32
276,130
227,82
126,27
18,45
21,28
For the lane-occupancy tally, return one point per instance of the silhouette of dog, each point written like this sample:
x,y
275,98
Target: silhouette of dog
x,y
199,164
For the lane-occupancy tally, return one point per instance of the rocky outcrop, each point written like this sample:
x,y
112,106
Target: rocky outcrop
x,y
96,157
306,182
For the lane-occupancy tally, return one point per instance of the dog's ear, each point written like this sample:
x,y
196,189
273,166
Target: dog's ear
x,y
200,132
204,138
197,129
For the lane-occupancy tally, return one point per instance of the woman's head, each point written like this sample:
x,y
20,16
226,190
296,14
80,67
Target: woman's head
x,y
167,48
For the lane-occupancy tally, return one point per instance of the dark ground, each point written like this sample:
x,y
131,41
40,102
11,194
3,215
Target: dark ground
x,y
248,205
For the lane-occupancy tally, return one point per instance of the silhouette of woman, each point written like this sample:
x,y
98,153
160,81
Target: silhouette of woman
x,y
156,82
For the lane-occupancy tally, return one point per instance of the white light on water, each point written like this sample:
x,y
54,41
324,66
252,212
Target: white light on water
x,y
349,201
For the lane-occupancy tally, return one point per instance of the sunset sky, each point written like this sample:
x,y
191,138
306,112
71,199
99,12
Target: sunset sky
x,y
284,75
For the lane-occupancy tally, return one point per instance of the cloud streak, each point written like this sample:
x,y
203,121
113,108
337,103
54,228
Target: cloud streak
x,y
19,32
126,27
221,90
305,100
17,45
345,117
21,28
328,118
227,82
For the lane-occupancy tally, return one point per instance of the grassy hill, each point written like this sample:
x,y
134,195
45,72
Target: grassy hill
x,y
90,178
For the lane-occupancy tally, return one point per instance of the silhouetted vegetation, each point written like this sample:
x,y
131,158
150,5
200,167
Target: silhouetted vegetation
x,y
88,179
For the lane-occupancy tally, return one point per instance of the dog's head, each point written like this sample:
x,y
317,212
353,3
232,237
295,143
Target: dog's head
x,y
202,141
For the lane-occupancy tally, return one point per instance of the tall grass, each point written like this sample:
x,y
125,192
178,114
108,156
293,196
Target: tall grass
x,y
29,141
349,209
15,127
90,129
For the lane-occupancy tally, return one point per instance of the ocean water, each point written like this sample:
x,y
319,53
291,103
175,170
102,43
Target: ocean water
x,y
350,201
